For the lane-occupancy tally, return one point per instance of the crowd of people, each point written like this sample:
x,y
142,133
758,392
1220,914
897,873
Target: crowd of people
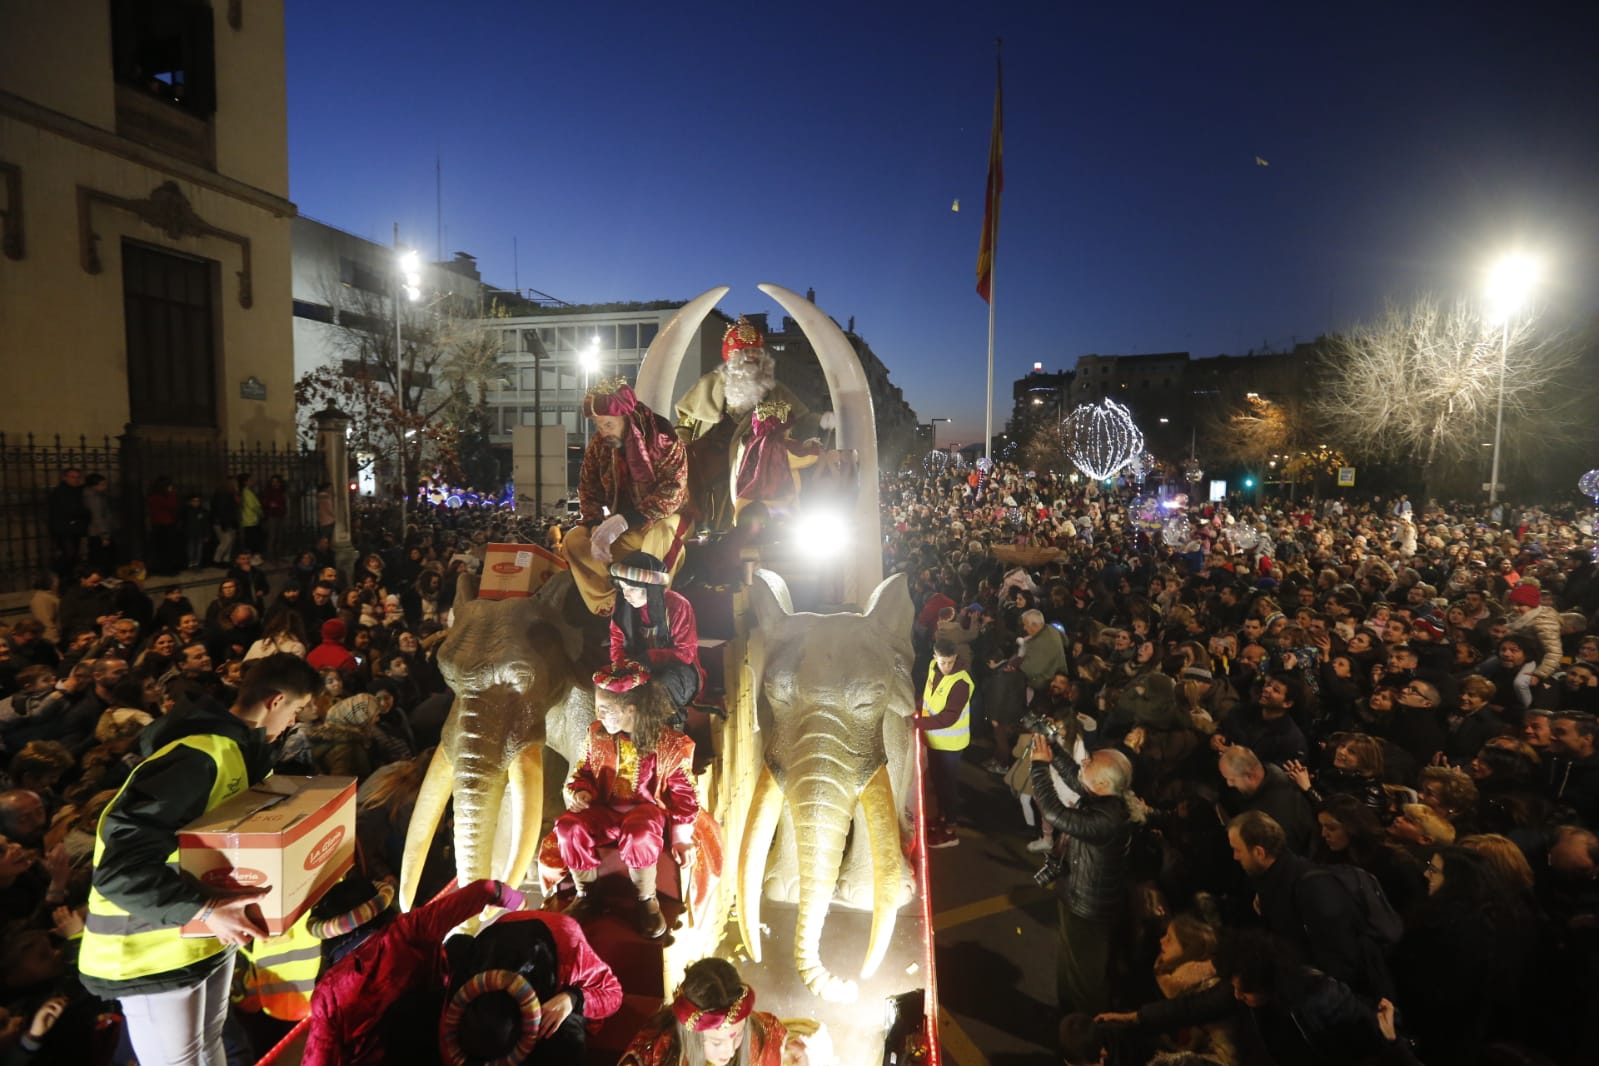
x,y
114,698
1313,783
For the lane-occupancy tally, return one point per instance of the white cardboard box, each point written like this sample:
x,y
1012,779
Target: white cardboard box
x,y
294,835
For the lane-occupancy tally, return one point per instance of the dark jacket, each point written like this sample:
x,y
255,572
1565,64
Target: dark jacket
x,y
1099,833
1314,1019
1576,784
1306,905
1273,740
68,513
1279,797
140,829
1419,730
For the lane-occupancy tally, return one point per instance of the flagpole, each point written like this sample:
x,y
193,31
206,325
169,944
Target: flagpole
x,y
988,409
996,183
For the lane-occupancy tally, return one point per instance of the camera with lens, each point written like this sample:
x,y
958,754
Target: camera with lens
x,y
1048,873
1037,723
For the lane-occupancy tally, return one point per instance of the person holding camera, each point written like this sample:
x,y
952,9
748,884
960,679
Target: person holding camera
x,y
1091,895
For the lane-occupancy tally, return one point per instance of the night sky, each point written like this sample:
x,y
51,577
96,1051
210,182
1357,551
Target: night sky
x,y
648,151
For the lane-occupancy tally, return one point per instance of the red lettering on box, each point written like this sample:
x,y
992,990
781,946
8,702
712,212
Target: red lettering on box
x,y
325,848
230,877
506,568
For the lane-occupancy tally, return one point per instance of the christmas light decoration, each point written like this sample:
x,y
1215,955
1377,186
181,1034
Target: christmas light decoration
x,y
935,462
1102,439
1588,485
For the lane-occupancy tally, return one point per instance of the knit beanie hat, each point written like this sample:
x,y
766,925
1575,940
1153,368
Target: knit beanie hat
x,y
1524,595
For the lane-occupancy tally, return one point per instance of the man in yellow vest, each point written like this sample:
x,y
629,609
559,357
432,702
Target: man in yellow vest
x,y
174,989
945,722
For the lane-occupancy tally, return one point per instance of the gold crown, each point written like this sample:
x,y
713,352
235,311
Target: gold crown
x,y
606,386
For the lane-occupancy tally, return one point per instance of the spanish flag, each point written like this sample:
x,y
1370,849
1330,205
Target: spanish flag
x,y
996,185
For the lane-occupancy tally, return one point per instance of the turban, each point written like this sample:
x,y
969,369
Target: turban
x,y
624,676
740,335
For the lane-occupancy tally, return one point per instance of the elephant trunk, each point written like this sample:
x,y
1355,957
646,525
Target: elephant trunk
x,y
822,809
480,781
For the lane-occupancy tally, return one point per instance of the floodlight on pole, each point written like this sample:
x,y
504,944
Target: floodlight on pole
x,y
1511,280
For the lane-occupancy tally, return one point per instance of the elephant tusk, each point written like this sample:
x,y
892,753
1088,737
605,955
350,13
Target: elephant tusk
x,y
882,832
430,801
526,774
658,373
857,430
766,807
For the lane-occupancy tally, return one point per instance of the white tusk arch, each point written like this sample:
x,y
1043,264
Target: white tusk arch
x,y
857,431
658,373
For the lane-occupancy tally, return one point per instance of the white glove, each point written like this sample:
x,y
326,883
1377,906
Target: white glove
x,y
828,420
605,535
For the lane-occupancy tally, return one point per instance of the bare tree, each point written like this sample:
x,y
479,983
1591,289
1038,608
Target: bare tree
x,y
1421,383
409,397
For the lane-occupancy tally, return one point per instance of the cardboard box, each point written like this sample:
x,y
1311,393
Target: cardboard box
x,y
295,835
511,570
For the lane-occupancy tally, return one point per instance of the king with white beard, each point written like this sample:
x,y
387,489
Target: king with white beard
x,y
713,419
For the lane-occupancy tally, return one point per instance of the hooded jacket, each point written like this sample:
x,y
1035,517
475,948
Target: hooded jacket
x,y
332,652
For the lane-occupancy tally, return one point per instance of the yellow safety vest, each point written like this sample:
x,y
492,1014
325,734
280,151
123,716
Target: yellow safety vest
x,y
118,946
957,736
282,973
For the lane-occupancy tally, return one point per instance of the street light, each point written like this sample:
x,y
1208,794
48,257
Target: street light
x,y
407,287
934,423
590,360
1510,283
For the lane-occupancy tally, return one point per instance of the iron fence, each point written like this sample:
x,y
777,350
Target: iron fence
x,y
30,466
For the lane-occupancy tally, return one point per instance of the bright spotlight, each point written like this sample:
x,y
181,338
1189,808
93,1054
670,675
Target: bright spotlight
x,y
1511,280
821,534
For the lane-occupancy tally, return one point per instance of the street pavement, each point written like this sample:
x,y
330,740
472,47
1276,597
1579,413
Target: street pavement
x,y
994,932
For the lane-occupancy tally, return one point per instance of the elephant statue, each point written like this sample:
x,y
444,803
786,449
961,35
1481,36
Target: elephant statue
x,y
833,698
514,666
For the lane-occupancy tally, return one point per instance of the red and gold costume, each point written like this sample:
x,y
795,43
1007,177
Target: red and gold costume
x,y
632,799
645,481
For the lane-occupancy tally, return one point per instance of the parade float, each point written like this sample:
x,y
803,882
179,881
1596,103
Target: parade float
x,y
811,875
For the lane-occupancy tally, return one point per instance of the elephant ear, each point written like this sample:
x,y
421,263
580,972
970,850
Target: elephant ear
x,y
891,612
770,599
891,608
465,588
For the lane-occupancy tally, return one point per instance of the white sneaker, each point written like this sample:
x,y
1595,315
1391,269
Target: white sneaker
x,y
1041,845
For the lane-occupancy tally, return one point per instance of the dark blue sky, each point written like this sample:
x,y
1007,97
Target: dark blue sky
x,y
649,151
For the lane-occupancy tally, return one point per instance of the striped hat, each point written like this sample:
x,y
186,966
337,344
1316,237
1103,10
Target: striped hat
x,y
331,926
641,568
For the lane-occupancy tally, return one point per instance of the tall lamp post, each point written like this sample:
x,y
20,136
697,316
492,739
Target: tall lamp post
x,y
1510,283
934,423
407,287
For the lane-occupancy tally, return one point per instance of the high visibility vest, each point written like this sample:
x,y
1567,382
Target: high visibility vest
x,y
282,973
118,946
957,736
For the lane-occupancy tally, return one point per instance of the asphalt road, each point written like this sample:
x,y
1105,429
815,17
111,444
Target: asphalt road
x,y
994,933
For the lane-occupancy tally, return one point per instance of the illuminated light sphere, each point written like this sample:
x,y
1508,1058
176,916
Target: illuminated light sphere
x,y
1192,472
1145,511
985,464
1175,532
1243,536
935,462
1103,439
1588,485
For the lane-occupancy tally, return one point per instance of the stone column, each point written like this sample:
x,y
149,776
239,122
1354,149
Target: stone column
x,y
331,426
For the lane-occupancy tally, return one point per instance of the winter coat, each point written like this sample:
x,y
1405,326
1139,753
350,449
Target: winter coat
x,y
1543,623
1099,831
